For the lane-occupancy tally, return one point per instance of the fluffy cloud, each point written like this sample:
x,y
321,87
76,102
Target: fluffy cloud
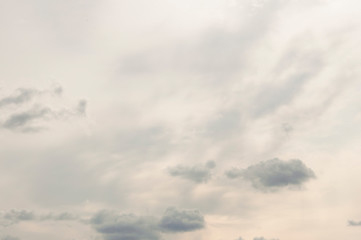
x,y
175,220
274,173
113,226
198,174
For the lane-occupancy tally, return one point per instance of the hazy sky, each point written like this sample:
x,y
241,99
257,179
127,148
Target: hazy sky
x,y
180,120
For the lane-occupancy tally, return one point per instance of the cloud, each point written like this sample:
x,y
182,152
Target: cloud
x,y
262,238
32,118
274,173
113,226
24,95
15,216
24,120
198,174
354,223
81,108
175,220
8,237
124,227
234,173
65,216
18,215
217,53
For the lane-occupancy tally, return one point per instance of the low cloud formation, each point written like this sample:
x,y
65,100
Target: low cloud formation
x,y
198,174
125,227
234,173
274,173
257,238
354,223
81,108
113,226
24,120
65,216
29,114
8,237
24,95
175,220
262,238
15,216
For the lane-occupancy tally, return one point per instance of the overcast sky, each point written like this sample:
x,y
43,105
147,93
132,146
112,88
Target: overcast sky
x,y
180,120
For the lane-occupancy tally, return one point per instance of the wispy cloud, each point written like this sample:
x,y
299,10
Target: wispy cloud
x,y
354,223
34,116
15,216
198,174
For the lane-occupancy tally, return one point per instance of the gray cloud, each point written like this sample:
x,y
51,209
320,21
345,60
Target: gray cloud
x,y
24,95
175,220
32,119
274,173
234,173
198,174
18,215
354,223
124,227
15,216
65,216
113,226
262,238
8,237
24,120
81,108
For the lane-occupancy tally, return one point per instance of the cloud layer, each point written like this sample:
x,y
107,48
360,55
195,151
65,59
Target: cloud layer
x,y
120,104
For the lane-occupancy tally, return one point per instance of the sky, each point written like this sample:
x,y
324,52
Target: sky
x,y
180,120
